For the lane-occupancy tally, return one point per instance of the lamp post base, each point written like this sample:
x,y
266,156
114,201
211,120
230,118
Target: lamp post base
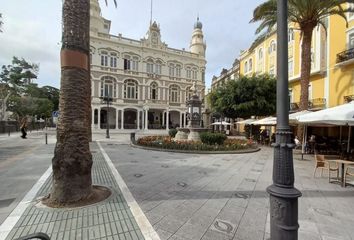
x,y
283,212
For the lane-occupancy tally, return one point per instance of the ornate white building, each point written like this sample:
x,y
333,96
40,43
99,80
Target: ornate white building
x,y
148,81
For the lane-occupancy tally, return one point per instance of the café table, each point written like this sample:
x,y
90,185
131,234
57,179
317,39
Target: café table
x,y
342,163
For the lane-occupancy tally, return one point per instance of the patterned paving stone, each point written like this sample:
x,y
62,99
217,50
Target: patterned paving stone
x,y
111,219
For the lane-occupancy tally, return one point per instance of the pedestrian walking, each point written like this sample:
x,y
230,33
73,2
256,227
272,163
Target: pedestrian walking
x,y
23,128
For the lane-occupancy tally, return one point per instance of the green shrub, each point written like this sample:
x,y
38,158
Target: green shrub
x,y
212,138
172,132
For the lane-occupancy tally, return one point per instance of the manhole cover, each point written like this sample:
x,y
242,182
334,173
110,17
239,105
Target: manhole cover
x,y
93,151
138,175
155,157
182,184
131,153
183,160
134,161
260,163
256,170
241,195
202,172
222,226
165,166
216,165
249,180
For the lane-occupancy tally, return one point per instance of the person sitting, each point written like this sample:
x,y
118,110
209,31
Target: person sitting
x,y
297,143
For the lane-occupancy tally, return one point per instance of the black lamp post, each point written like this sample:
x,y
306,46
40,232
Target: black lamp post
x,y
283,195
107,99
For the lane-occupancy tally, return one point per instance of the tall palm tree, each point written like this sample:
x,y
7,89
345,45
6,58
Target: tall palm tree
x,y
72,161
306,15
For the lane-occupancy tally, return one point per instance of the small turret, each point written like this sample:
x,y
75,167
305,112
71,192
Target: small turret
x,y
97,22
197,44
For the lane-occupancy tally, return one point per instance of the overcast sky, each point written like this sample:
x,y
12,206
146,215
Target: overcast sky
x,y
32,29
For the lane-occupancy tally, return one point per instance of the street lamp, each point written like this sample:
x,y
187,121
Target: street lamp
x,y
283,195
107,100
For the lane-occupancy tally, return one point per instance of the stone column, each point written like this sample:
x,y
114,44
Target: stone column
x,y
180,119
99,118
146,119
122,119
93,118
117,117
138,119
167,119
163,118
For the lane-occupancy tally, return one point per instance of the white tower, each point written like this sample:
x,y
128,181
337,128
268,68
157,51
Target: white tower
x,y
97,22
197,44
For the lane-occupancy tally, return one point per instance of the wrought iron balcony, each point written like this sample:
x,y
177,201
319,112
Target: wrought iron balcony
x,y
348,98
345,55
316,103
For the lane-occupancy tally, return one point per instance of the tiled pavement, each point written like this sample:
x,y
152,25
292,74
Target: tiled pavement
x,y
111,219
211,197
192,197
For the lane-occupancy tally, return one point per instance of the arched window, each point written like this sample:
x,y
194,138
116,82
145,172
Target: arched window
x,y
189,74
113,60
246,66
108,87
178,70
130,89
250,65
174,93
189,93
158,67
194,73
171,70
149,66
104,59
135,64
154,91
272,47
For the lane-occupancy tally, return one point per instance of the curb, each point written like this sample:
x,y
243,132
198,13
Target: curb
x,y
195,152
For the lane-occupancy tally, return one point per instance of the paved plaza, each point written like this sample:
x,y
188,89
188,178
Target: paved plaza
x,y
183,196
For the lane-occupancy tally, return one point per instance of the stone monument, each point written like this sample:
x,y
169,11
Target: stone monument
x,y
194,117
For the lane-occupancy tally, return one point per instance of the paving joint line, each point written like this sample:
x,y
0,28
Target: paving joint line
x,y
147,230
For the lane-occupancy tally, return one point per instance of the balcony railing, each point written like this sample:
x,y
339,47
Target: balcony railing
x,y
345,55
316,103
348,98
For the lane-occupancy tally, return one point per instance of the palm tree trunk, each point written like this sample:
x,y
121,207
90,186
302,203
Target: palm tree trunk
x,y
72,160
305,66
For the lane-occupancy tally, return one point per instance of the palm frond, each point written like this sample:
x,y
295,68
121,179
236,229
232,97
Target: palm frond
x,y
115,2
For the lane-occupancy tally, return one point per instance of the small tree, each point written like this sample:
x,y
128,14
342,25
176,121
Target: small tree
x,y
14,79
245,97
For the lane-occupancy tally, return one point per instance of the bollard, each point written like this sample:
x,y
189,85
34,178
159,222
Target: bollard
x,y
46,138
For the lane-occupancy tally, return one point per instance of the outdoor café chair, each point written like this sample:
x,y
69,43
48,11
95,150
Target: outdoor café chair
x,y
323,164
349,171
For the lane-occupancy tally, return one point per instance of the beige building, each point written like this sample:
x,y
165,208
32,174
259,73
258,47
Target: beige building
x,y
226,75
148,81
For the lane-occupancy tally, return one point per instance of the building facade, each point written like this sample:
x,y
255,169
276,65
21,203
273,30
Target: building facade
x,y
332,66
147,81
226,75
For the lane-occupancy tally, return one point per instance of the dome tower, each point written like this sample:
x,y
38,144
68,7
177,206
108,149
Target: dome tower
x,y
197,44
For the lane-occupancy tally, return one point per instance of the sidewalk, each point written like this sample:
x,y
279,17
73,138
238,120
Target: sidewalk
x,y
110,219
